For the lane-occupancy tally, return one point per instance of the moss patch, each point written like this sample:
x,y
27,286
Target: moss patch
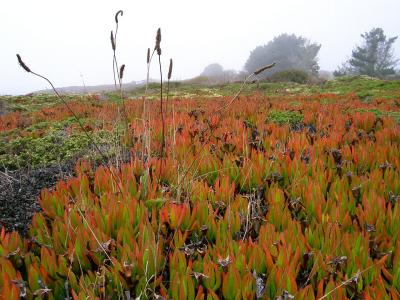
x,y
54,145
285,117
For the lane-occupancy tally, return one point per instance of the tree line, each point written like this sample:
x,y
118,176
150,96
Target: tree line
x,y
374,57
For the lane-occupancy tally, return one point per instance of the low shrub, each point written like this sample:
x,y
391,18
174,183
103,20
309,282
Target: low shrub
x,y
296,76
285,117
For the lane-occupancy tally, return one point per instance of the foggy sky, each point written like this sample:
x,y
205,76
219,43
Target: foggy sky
x,y
69,41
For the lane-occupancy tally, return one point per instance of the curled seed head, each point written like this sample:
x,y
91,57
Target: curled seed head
x,y
22,64
258,71
120,12
148,55
112,41
121,72
170,69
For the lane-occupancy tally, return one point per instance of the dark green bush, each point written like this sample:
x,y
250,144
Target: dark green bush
x,y
296,76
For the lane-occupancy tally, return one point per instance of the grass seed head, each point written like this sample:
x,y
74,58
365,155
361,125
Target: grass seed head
x,y
260,70
112,41
170,69
148,55
121,72
158,41
22,64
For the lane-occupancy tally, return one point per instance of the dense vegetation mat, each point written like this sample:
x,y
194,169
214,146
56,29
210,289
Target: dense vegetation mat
x,y
286,196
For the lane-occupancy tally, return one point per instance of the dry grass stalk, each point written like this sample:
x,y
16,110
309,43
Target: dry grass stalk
x,y
354,279
158,49
173,108
118,72
146,149
255,73
87,134
114,46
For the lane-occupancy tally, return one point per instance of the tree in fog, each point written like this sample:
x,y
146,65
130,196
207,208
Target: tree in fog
x,y
213,70
289,52
216,74
374,57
